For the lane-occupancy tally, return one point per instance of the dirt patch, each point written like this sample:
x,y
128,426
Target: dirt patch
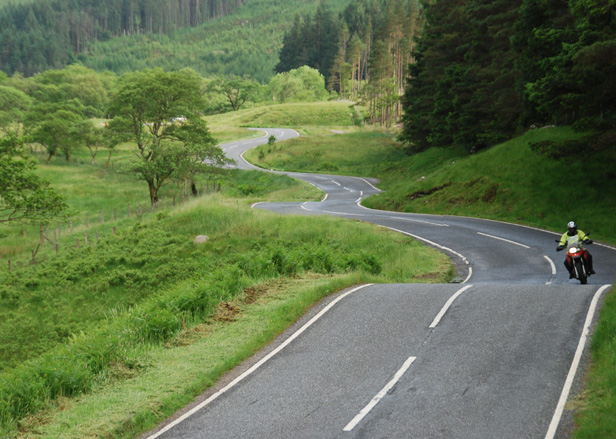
x,y
30,424
226,312
189,336
425,193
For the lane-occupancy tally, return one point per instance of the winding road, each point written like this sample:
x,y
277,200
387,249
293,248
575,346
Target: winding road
x,y
493,356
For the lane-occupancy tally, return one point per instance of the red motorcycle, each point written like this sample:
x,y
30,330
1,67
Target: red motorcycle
x,y
576,258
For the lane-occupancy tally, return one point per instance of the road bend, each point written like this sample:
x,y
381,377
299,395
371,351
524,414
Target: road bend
x,y
495,355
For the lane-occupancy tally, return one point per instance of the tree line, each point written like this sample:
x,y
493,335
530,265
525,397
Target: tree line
x,y
37,36
470,73
363,52
485,70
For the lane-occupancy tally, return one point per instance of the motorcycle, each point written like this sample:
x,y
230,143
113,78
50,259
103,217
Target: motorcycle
x,y
575,258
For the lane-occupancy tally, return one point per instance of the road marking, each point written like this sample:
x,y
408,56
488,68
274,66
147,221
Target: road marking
x,y
357,419
257,365
417,221
553,268
447,305
370,184
574,365
461,256
470,273
503,239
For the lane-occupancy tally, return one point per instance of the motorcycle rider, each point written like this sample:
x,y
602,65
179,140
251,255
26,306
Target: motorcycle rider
x,y
574,236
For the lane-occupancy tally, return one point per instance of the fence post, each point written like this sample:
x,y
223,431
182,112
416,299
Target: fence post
x,y
87,221
9,265
114,230
77,242
86,240
55,246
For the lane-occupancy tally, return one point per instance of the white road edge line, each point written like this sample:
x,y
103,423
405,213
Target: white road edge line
x,y
357,419
446,307
574,365
461,256
503,239
553,268
370,184
257,365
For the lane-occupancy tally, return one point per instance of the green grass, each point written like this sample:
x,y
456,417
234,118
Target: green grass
x,y
596,408
327,115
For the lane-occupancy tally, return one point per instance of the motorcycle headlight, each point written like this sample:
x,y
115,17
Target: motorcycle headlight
x,y
573,250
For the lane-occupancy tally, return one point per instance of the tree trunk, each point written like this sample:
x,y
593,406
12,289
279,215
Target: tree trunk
x,y
153,193
193,189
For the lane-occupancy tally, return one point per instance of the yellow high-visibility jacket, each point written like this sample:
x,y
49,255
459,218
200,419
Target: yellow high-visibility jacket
x,y
570,241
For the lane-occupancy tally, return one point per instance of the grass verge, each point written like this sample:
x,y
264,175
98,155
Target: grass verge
x,y
180,370
596,407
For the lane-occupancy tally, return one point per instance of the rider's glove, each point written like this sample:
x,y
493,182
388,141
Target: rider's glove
x,y
587,241
559,248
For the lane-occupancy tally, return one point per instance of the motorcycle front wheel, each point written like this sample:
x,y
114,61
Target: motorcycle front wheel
x,y
579,268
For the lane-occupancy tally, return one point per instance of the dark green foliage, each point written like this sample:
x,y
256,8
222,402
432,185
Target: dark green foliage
x,y
486,70
311,42
24,196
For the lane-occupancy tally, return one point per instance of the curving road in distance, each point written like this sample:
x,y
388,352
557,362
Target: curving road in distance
x,y
493,356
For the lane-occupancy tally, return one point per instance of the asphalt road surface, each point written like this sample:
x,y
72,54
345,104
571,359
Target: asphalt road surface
x,y
493,356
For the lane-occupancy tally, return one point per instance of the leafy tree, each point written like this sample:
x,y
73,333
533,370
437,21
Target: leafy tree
x,y
236,90
91,135
13,105
53,125
146,109
298,85
24,196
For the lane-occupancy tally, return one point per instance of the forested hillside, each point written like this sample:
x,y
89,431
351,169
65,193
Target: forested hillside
x,y
486,70
36,36
363,53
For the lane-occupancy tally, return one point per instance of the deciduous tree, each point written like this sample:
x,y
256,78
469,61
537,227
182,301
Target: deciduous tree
x,y
24,196
160,113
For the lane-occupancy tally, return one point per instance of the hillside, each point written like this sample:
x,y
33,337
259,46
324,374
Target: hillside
x,y
509,182
223,37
